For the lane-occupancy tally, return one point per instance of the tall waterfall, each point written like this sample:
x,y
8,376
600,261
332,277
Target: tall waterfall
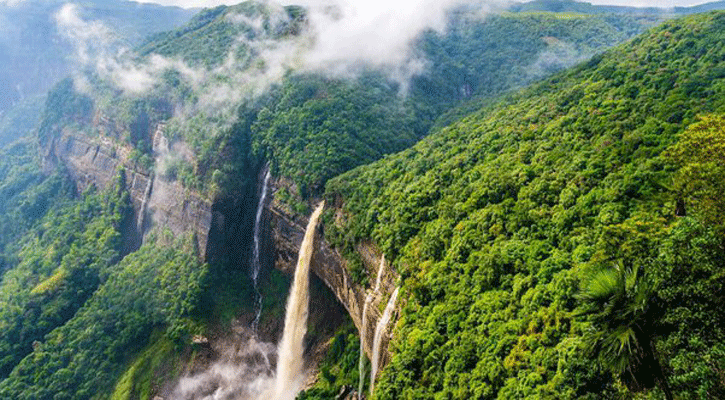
x,y
142,211
364,330
379,330
381,269
290,363
256,260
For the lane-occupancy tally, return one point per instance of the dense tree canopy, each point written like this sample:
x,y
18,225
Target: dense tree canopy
x,y
492,221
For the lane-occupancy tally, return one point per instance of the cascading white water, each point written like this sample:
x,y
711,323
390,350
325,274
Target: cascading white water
x,y
381,269
379,330
256,259
244,372
142,211
290,363
364,330
361,363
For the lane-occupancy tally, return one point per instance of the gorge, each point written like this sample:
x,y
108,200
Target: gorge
x,y
531,207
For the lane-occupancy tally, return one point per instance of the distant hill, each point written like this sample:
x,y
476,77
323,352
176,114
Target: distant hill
x,y
588,8
35,56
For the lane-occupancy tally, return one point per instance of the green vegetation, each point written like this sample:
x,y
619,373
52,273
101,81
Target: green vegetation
x,y
64,106
317,128
20,120
211,37
564,241
495,220
69,319
61,262
157,287
339,368
25,194
313,128
485,57
159,363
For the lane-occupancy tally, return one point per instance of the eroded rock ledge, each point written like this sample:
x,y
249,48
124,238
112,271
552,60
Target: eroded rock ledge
x,y
96,160
287,231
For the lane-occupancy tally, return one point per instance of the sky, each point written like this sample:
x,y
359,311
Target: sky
x,y
635,3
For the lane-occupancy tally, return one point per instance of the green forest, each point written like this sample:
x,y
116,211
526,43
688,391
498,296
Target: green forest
x,y
577,220
549,190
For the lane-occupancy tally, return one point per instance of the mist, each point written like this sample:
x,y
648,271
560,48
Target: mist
x,y
341,39
243,371
375,33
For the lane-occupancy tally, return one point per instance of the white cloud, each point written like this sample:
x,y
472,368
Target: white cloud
x,y
347,34
376,32
97,47
11,3
89,38
632,3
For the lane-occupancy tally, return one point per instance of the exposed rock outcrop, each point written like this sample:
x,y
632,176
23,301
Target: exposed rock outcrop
x,y
161,202
287,231
96,160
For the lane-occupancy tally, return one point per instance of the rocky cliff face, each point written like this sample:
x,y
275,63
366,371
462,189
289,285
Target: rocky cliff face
x,y
287,231
160,202
157,201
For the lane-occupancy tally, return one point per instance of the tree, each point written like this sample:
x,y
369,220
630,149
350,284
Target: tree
x,y
617,300
700,180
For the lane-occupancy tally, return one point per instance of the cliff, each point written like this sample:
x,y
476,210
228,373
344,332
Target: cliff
x,y
157,201
287,230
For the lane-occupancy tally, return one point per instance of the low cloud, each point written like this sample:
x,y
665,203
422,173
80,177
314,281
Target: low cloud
x,y
374,32
341,39
345,36
90,38
558,55
99,49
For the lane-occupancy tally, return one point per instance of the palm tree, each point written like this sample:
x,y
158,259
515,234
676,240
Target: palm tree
x,y
617,301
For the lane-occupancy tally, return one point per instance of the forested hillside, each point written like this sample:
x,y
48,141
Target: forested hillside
x,y
338,123
565,242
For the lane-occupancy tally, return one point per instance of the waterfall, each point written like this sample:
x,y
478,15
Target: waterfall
x,y
290,363
379,330
256,259
244,372
361,363
142,209
381,269
364,330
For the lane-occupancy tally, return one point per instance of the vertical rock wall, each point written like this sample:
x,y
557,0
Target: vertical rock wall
x,y
97,160
287,231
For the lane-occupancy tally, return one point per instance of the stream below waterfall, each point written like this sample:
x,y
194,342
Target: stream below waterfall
x,y
254,370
